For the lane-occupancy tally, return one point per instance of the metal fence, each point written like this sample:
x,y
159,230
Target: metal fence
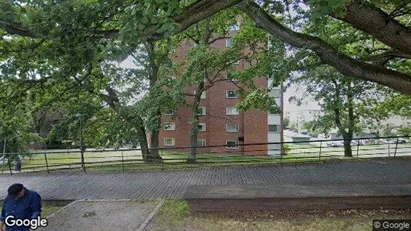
x,y
218,155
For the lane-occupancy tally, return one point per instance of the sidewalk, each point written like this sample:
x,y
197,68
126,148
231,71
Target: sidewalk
x,y
174,183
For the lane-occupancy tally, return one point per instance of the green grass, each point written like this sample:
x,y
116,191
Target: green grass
x,y
171,160
174,216
47,210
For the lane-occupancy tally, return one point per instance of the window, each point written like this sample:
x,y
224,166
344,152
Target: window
x,y
231,94
231,111
201,111
169,126
231,78
228,42
169,141
203,95
201,143
231,128
273,128
276,93
202,127
232,144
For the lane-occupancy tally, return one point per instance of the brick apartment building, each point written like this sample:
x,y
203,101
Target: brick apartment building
x,y
221,123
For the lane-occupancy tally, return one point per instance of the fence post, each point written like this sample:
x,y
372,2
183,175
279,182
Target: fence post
x,y
358,147
2,166
319,155
47,164
389,154
83,158
122,160
396,146
9,162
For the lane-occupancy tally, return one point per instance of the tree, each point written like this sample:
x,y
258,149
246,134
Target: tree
x,y
286,123
384,21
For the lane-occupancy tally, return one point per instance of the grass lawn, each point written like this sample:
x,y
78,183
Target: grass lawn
x,y
109,161
174,216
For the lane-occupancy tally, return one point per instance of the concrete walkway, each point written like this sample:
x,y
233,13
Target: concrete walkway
x,y
100,215
173,183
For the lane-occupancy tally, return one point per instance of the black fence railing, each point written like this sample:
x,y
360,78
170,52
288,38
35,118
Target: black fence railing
x,y
215,155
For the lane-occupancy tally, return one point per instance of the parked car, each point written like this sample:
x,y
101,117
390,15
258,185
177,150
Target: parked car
x,y
401,141
335,144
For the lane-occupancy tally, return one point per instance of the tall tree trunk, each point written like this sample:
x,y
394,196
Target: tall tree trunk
x,y
142,139
154,145
194,120
154,64
347,146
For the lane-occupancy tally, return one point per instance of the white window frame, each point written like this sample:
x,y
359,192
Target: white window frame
x,y
229,114
173,141
235,141
172,128
231,80
275,92
203,111
170,114
278,128
233,131
204,142
204,126
228,42
228,97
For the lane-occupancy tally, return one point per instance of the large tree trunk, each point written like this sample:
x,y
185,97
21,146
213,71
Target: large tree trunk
x,y
193,138
366,17
142,139
347,147
194,120
154,145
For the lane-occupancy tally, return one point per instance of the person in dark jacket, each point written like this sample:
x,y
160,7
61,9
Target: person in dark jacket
x,y
21,203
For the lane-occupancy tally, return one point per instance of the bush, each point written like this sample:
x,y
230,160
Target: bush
x,y
286,149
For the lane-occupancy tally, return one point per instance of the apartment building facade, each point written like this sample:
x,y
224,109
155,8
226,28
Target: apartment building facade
x,y
222,126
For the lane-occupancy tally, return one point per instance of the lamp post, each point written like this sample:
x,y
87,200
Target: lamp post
x,y
81,141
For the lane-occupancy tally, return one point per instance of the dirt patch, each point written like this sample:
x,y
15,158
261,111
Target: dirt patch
x,y
174,215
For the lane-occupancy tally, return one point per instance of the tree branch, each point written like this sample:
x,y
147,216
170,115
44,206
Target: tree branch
x,y
343,63
382,58
372,20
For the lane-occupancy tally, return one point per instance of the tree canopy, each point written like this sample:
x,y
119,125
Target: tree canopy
x,y
57,33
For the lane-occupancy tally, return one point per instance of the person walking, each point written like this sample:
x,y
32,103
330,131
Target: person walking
x,y
20,204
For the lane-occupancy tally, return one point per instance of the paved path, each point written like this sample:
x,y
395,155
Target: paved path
x,y
100,215
173,183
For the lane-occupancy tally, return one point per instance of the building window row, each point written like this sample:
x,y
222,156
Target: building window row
x,y
171,126
230,144
202,111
